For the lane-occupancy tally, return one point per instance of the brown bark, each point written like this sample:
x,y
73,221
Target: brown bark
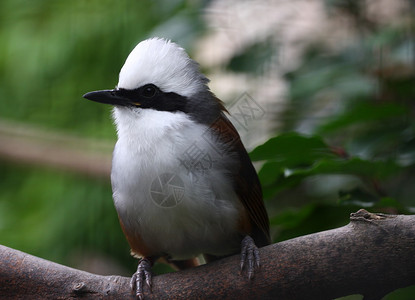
x,y
372,255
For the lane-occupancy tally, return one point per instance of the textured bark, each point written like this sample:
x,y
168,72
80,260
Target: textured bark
x,y
372,255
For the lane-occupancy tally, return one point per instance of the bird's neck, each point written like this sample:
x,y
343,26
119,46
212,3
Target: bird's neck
x,y
148,126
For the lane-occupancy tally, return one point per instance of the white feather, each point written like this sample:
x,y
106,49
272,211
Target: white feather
x,y
163,63
151,143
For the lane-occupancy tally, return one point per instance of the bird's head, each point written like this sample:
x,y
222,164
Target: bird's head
x,y
165,65
158,74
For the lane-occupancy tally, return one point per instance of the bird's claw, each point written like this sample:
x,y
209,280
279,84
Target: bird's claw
x,y
143,274
249,256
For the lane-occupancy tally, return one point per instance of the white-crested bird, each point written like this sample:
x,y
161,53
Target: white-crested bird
x,y
183,183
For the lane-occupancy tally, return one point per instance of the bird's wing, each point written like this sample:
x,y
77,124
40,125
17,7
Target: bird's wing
x,y
246,181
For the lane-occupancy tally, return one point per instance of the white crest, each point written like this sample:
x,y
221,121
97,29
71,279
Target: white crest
x,y
164,64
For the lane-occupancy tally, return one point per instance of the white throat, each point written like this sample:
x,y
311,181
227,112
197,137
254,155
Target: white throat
x,y
143,128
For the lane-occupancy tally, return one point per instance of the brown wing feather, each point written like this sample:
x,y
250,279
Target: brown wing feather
x,y
246,182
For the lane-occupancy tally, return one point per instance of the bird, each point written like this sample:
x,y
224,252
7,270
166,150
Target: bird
x,y
182,181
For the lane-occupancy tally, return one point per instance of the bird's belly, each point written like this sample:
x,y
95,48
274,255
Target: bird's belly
x,y
173,211
181,219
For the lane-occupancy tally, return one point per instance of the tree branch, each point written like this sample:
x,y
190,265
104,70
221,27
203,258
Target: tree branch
x,y
54,149
373,255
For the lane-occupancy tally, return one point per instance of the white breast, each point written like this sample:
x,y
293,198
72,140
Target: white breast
x,y
170,184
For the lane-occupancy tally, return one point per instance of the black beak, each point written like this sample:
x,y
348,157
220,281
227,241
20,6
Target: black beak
x,y
113,97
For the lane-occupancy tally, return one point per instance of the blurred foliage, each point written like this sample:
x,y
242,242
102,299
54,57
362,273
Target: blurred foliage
x,y
353,111
346,141
51,53
54,214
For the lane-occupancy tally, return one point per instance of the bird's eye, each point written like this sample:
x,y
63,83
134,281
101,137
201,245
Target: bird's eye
x,y
149,91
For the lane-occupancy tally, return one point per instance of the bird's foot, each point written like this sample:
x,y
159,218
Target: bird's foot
x,y
249,256
143,274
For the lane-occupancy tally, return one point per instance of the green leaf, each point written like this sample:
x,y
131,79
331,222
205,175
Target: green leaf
x,y
289,178
254,59
390,203
292,218
270,172
292,149
358,197
361,113
353,166
311,218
